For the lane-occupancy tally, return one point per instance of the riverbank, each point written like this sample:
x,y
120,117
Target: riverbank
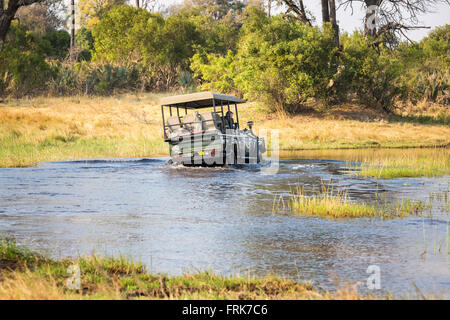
x,y
65,128
25,274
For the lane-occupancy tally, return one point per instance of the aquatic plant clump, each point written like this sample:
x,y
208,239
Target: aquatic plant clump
x,y
337,204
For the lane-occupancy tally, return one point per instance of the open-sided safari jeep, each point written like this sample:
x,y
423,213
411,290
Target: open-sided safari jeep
x,y
212,136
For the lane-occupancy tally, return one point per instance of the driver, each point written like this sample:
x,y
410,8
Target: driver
x,y
229,119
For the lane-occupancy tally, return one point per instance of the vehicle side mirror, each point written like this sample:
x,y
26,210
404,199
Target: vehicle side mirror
x,y
250,124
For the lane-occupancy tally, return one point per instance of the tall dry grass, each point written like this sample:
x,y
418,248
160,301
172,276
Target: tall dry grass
x,y
45,129
129,125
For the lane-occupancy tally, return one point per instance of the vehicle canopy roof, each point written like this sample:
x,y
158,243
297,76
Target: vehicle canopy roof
x,y
199,100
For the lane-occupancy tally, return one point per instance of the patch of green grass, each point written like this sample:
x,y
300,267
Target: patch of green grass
x,y
443,118
400,172
11,253
330,203
436,163
28,275
25,274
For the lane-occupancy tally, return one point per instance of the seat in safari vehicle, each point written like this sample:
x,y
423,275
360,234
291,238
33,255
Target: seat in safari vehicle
x,y
175,127
193,123
211,121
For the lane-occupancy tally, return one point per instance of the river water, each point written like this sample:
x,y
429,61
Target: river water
x,y
178,219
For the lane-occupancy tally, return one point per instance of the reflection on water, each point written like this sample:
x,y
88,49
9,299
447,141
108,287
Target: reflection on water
x,y
179,219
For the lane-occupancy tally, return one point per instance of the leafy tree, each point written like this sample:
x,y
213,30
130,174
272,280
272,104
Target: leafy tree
x,y
213,36
8,11
42,17
280,62
216,72
23,68
437,44
91,11
426,67
217,9
183,36
126,34
56,43
85,42
218,22
132,35
368,73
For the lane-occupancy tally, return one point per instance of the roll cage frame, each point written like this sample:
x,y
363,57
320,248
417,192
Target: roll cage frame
x,y
208,100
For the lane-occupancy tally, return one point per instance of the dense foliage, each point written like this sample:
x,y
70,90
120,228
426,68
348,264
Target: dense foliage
x,y
280,62
284,63
238,49
426,67
23,68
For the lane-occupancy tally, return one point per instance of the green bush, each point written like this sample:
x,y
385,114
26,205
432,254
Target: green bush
x,y
131,35
215,72
215,36
276,60
23,69
91,78
283,63
426,67
279,62
368,73
57,44
85,43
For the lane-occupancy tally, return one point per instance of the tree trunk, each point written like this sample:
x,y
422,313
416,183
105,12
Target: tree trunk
x,y
325,11
5,21
269,8
137,3
334,21
72,30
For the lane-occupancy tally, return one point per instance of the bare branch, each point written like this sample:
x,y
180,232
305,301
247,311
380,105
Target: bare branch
x,y
299,10
393,26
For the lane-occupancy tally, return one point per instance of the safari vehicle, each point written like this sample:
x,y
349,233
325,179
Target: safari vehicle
x,y
202,129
